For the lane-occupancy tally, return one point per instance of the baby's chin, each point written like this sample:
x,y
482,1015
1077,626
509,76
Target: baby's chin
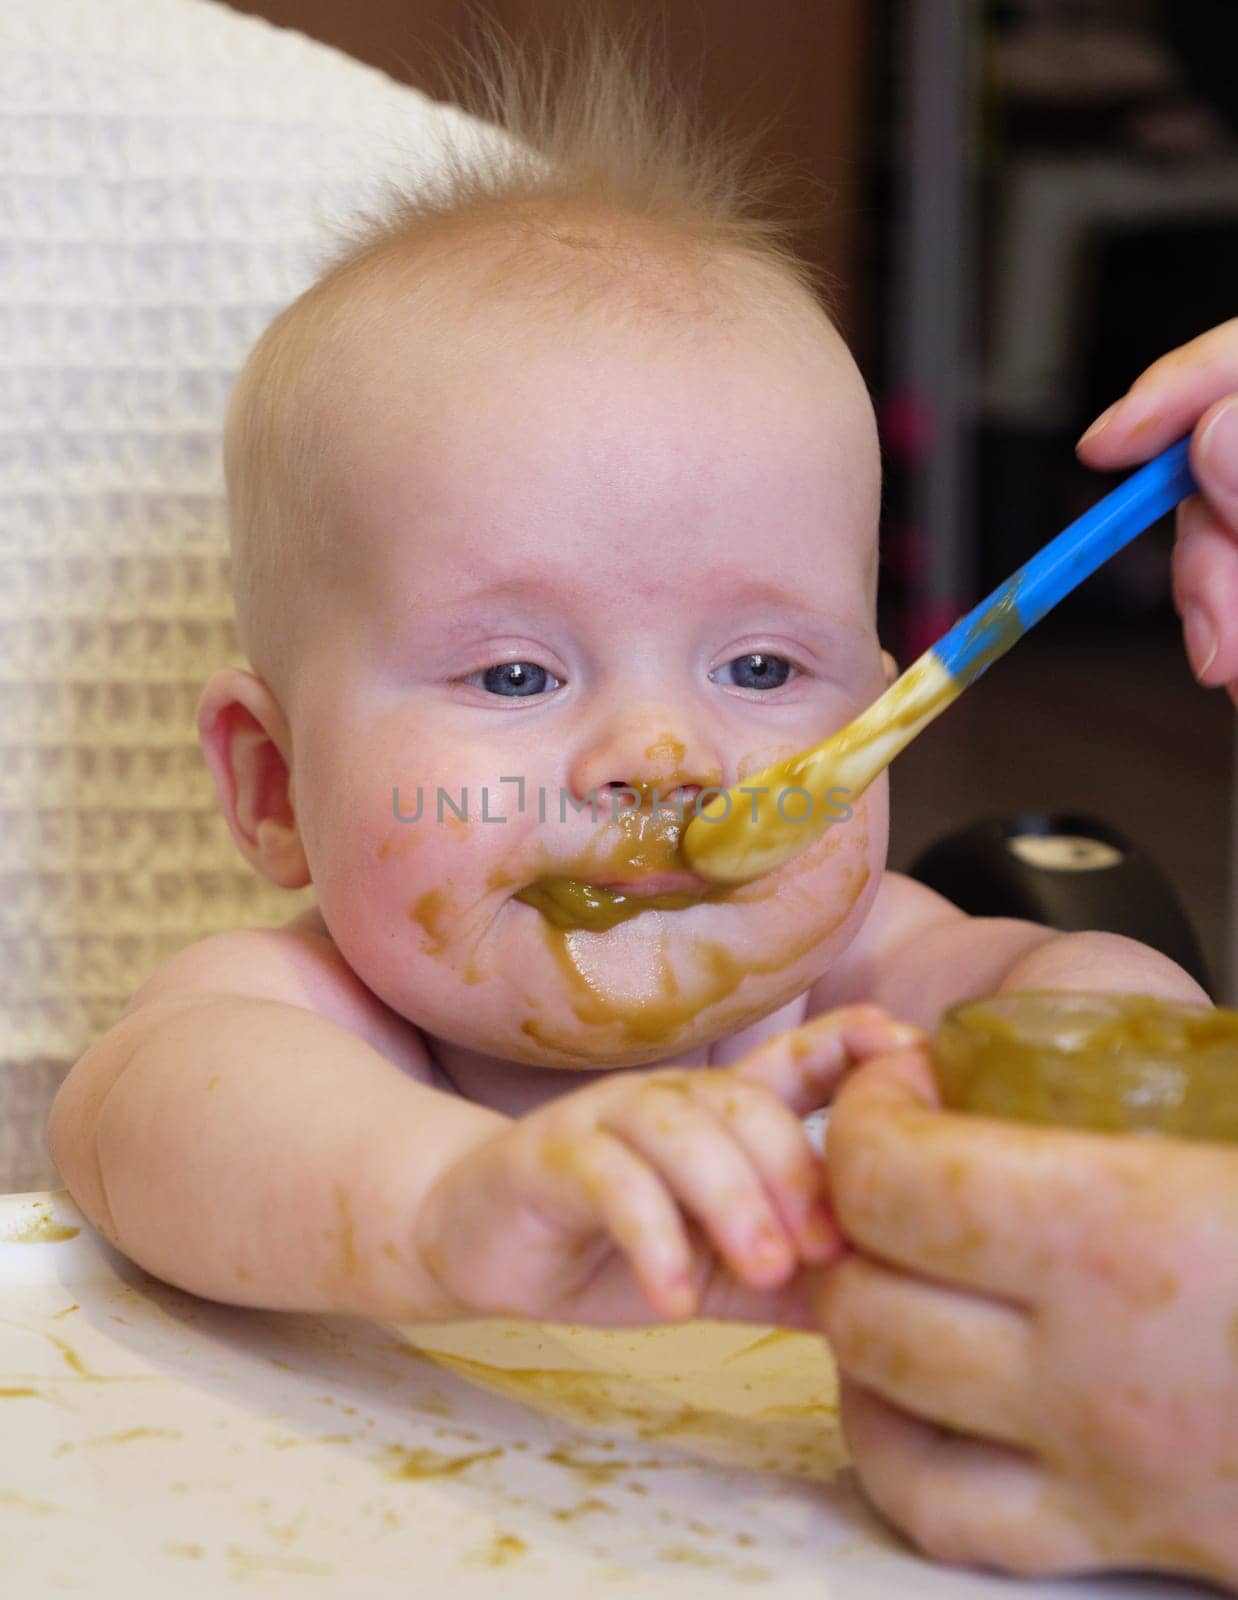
x,y
632,1039
647,989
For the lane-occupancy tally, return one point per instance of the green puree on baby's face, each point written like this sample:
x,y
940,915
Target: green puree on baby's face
x,y
569,903
1103,1062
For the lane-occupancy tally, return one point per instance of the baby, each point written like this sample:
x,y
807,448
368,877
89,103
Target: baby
x,y
553,501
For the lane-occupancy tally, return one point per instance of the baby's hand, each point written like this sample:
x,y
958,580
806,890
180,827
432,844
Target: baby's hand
x,y
583,1210
1040,1353
1192,389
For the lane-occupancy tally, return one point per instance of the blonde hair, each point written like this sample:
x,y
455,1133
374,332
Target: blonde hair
x,y
604,195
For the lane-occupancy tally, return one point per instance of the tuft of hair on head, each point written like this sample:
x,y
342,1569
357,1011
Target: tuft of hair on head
x,y
601,150
599,192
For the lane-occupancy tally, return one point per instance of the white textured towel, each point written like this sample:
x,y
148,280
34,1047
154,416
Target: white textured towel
x,y
169,173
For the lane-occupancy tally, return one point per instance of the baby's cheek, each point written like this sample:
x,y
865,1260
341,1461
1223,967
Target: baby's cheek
x,y
431,888
373,855
363,888
834,880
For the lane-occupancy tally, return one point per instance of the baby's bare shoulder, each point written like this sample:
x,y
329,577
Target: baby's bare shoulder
x,y
299,964
917,953
902,910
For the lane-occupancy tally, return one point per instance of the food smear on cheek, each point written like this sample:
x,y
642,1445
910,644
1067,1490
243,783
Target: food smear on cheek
x,y
430,912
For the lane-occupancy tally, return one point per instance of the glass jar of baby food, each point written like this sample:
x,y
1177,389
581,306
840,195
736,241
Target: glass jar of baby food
x,y
1111,1063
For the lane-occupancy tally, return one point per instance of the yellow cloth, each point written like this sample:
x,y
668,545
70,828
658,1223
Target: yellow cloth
x,y
761,1398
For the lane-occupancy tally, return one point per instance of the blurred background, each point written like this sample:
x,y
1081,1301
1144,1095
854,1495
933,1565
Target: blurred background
x,y
1016,205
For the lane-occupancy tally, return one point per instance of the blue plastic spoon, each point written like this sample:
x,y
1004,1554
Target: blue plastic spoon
x,y
745,831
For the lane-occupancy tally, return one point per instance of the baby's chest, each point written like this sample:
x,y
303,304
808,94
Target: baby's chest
x,y
727,1051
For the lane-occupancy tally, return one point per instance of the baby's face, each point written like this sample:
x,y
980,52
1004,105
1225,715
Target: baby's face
x,y
568,564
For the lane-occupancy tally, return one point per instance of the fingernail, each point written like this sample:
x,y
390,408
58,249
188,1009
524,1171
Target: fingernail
x,y
768,1247
1217,446
1101,423
1192,512
1201,639
904,1033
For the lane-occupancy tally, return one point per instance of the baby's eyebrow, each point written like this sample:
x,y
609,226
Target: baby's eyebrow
x,y
742,590
732,592
525,588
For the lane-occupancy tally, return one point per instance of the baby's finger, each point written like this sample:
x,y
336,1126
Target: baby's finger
x,y
944,1355
962,1501
599,1182
774,1141
1165,401
804,1065
1205,585
707,1172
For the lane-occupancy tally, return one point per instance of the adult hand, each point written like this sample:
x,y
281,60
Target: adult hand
x,y
1192,389
1037,1332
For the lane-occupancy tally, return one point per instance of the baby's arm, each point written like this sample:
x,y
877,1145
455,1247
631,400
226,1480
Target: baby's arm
x,y
917,954
258,1128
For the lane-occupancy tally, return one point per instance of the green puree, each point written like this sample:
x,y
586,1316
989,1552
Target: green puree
x,y
569,903
1108,1063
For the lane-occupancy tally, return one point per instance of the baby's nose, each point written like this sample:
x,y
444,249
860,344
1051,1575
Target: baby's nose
x,y
646,758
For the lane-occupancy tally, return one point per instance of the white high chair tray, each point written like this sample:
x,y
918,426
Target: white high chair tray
x,y
157,1443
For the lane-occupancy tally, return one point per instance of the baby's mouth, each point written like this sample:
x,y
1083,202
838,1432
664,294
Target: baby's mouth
x,y
576,903
635,865
655,883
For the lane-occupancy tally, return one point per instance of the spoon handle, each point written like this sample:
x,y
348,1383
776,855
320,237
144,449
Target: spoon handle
x,y
990,628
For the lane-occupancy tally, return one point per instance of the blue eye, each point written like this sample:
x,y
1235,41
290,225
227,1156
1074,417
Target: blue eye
x,y
515,679
757,671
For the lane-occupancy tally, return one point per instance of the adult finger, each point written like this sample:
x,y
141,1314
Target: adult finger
x,y
1205,585
1165,400
1001,1207
1214,459
942,1354
805,1065
963,1501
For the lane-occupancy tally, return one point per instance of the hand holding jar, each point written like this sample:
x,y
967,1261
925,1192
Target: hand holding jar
x,y
1037,1327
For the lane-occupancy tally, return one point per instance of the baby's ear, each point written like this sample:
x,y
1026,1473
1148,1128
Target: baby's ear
x,y
889,666
246,742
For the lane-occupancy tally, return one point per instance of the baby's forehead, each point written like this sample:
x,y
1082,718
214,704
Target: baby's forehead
x,y
445,316
540,400
428,401
586,539
507,379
